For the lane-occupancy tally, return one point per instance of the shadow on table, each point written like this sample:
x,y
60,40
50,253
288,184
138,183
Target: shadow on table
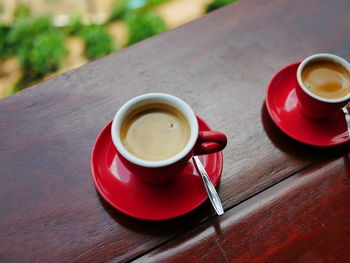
x,y
293,147
172,227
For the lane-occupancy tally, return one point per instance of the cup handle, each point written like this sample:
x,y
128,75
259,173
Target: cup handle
x,y
210,142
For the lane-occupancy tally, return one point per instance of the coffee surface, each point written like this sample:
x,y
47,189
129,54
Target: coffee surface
x,y
155,132
326,79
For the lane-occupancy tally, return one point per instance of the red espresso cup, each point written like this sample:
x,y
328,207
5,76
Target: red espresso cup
x,y
162,171
311,105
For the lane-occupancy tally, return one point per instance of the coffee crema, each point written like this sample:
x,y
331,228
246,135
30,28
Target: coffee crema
x,y
326,78
155,132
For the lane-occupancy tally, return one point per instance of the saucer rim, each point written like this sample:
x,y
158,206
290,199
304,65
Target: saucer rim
x,y
99,187
291,135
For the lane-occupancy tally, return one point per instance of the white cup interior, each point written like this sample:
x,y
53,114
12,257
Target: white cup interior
x,y
154,98
321,56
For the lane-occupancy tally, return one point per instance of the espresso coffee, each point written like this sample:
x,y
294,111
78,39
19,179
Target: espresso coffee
x,y
327,79
155,132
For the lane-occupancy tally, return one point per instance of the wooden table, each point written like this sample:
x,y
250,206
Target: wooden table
x,y
284,201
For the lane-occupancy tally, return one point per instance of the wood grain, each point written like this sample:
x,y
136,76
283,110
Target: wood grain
x,y
220,65
305,218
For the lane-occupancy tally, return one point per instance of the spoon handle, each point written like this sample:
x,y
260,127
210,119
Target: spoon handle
x,y
209,187
347,118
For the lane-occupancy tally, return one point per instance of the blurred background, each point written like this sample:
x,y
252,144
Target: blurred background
x,y
42,38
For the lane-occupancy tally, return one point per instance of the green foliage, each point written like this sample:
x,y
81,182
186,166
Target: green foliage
x,y
37,44
21,11
143,24
75,25
5,49
21,34
156,2
121,8
98,42
218,4
118,11
3,33
25,29
46,53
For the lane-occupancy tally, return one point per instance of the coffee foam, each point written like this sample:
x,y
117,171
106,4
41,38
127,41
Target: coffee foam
x,y
326,78
155,132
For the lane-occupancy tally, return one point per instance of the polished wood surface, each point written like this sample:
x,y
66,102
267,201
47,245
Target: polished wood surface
x,y
220,64
305,218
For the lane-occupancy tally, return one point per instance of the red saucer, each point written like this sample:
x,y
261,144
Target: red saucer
x,y
127,193
282,105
